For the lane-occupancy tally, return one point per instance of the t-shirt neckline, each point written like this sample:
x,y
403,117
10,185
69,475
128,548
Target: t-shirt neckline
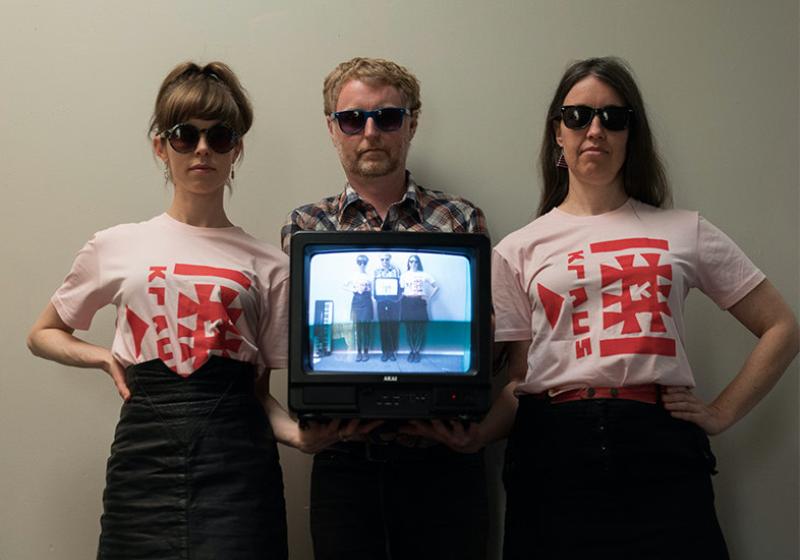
x,y
562,215
169,221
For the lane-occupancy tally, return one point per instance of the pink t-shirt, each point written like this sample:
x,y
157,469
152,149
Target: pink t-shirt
x,y
601,297
182,294
416,283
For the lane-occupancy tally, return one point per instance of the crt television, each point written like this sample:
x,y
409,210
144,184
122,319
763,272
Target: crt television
x,y
389,325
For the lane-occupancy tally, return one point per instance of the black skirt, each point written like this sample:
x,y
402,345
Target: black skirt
x,y
193,472
608,478
361,308
413,308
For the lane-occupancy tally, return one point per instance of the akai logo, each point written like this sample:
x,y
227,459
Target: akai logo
x,y
390,378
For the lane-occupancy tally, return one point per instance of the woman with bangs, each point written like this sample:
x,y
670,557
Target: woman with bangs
x,y
201,321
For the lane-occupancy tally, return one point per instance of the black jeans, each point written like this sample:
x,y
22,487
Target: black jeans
x,y
608,479
388,502
389,317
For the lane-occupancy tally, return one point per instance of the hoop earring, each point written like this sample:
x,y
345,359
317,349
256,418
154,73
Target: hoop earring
x,y
561,161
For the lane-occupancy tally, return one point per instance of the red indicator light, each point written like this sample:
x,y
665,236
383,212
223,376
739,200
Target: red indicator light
x,y
452,396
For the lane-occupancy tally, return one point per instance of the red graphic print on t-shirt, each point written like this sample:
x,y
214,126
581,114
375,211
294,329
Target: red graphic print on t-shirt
x,y
206,317
635,284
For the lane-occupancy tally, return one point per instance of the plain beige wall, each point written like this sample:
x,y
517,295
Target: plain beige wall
x,y
78,81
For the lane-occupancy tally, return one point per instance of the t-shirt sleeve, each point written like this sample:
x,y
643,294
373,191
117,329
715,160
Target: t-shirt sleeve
x,y
724,273
84,290
512,306
273,331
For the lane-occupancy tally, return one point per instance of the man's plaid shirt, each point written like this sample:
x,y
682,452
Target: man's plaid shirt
x,y
420,209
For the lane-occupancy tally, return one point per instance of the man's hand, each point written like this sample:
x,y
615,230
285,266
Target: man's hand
x,y
313,437
451,433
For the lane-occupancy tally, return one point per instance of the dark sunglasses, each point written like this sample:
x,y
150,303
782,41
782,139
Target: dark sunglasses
x,y
387,119
184,137
614,118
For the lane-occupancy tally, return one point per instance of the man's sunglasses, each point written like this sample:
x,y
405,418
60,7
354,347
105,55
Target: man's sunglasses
x,y
614,118
387,119
184,137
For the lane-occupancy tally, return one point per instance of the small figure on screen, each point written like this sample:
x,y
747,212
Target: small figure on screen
x,y
387,295
418,287
361,307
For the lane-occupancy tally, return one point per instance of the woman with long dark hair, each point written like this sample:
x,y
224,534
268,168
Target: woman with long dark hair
x,y
418,288
609,455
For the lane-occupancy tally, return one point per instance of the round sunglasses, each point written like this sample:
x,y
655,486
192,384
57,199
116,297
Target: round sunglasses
x,y
184,137
387,119
613,118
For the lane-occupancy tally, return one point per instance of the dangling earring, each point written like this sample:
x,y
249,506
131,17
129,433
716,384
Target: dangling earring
x,y
562,162
166,172
233,173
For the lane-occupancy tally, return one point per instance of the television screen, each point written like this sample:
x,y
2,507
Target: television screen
x,y
389,325
389,311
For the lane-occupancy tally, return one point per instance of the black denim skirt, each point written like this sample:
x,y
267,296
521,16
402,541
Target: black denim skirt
x,y
608,478
194,471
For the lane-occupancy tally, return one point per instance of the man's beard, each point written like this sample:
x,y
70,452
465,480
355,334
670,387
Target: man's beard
x,y
374,168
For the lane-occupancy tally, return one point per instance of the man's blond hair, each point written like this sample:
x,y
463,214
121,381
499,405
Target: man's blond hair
x,y
374,70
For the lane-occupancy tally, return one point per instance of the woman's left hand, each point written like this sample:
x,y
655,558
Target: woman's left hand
x,y
451,433
684,405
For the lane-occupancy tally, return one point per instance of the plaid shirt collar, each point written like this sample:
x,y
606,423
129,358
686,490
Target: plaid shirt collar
x,y
411,199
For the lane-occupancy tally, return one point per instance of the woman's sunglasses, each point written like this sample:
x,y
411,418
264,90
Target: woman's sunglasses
x,y
184,137
387,119
614,118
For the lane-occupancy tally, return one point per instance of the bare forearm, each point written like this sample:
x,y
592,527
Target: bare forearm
x,y
284,427
311,438
775,350
500,419
57,343
65,348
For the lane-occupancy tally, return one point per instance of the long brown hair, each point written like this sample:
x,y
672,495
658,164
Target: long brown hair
x,y
643,175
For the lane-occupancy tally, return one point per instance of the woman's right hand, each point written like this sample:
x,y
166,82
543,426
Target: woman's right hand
x,y
51,338
117,373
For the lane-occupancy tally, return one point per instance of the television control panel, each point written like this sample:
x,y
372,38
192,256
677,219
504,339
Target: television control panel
x,y
393,402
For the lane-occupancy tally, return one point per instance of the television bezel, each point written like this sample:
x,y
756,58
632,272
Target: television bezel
x,y
475,246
